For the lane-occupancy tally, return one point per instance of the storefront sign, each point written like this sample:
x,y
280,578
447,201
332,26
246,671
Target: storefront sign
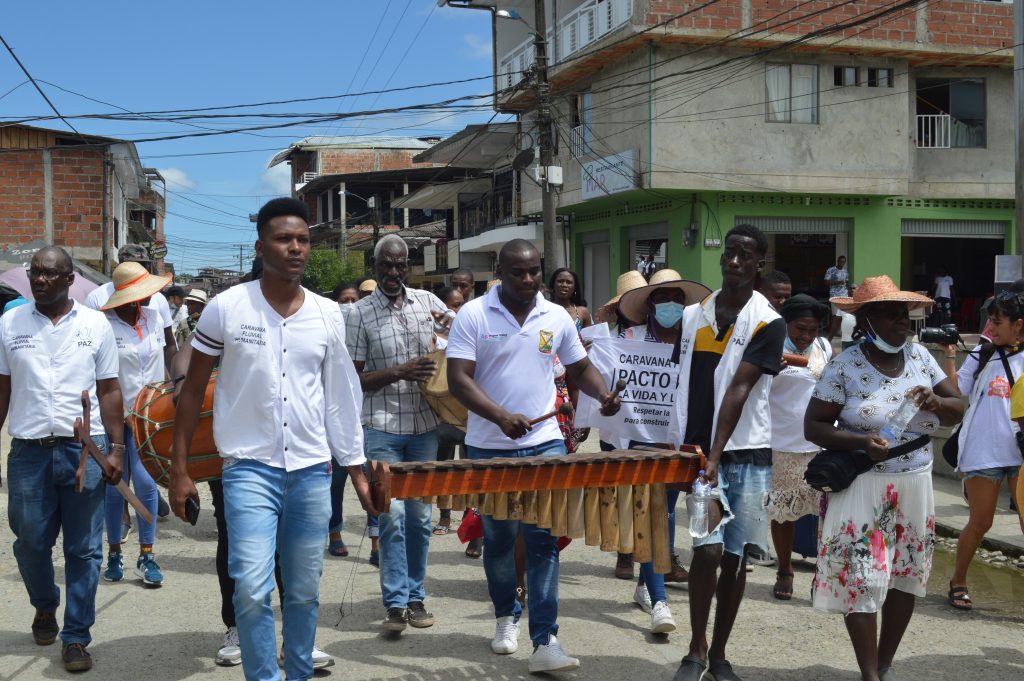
x,y
609,175
652,381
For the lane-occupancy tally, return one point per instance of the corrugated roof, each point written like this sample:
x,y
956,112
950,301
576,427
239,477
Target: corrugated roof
x,y
354,142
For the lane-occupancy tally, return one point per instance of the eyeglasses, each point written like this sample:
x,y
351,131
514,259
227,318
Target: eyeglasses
x,y
47,275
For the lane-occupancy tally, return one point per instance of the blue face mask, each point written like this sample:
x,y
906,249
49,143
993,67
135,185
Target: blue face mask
x,y
888,349
668,314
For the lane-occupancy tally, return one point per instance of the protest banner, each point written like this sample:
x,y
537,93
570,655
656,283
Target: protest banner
x,y
652,381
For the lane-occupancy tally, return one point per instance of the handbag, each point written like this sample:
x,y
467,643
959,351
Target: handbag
x,y
951,448
834,470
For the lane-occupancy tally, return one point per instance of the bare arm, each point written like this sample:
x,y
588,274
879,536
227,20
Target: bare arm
x,y
108,392
5,404
466,390
729,414
819,428
586,376
170,347
190,402
418,369
943,401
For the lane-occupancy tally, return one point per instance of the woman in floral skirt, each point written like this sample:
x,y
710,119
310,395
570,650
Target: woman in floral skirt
x,y
878,535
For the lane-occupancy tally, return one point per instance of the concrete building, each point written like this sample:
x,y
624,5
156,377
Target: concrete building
x,y
86,193
882,132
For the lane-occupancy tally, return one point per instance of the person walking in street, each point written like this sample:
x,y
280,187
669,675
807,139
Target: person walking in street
x,y
286,402
791,497
942,291
390,335
730,346
140,341
988,439
878,535
837,279
175,296
50,353
500,361
658,309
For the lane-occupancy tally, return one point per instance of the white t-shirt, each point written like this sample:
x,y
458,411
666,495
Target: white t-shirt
x,y
514,365
99,296
943,286
269,401
139,353
991,441
789,396
50,365
847,326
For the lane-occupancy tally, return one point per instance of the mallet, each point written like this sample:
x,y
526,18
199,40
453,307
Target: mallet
x,y
794,360
620,385
564,410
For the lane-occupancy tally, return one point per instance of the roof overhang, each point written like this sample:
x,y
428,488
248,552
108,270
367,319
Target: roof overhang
x,y
476,146
379,179
438,196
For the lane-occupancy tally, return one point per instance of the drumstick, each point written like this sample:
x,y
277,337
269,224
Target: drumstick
x,y
564,410
82,435
794,360
620,385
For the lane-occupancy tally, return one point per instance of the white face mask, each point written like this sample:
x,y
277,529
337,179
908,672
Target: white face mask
x,y
881,344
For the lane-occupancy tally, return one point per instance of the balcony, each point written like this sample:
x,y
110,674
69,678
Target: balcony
x,y
490,211
578,29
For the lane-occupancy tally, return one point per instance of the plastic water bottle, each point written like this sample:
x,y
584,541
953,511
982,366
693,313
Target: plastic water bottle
x,y
897,423
697,507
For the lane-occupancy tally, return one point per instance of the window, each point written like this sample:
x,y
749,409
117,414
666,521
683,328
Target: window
x,y
791,93
581,135
845,76
955,108
880,78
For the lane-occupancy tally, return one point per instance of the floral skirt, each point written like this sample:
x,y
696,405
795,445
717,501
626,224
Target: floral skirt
x,y
791,497
878,534
573,437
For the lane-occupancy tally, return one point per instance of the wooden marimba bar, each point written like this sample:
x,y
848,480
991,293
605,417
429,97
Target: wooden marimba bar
x,y
615,500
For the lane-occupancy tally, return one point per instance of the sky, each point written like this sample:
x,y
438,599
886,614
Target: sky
x,y
108,56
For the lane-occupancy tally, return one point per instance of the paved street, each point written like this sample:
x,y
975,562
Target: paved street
x,y
172,633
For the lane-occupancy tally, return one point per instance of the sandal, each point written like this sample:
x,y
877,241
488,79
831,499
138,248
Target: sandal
x,y
722,671
959,598
441,530
781,592
691,669
337,548
473,548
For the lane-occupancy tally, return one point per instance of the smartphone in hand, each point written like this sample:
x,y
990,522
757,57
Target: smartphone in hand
x,y
191,510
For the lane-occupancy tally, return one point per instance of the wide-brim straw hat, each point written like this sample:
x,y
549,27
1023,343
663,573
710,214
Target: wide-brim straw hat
x,y
133,283
633,305
880,290
197,295
626,282
368,286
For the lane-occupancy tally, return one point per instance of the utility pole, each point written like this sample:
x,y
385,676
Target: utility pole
x,y
546,127
1018,111
343,218
241,270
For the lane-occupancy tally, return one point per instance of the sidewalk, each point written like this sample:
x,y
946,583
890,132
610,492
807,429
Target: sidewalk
x,y
951,517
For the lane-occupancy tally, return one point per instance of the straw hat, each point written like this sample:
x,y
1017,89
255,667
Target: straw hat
x,y
197,295
133,283
491,284
634,303
880,290
627,281
368,286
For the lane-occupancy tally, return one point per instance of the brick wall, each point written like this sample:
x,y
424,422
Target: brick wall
x,y
21,197
343,161
947,23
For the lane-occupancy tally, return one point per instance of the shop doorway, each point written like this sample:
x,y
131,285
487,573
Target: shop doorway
x,y
805,258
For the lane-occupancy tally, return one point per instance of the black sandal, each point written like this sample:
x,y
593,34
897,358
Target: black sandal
x,y
960,598
780,592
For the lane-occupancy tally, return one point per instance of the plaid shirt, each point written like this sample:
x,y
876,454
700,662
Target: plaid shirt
x,y
383,336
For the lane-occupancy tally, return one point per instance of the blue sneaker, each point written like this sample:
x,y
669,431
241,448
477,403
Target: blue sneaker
x,y
148,571
115,567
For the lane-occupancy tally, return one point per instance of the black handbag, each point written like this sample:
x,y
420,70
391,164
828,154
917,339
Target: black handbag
x,y
834,470
951,448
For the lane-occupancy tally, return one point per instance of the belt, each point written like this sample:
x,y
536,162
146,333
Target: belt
x,y
51,441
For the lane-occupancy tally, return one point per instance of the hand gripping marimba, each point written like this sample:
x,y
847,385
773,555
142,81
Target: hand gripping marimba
x,y
615,500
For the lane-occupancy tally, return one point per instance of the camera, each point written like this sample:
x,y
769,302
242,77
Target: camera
x,y
947,334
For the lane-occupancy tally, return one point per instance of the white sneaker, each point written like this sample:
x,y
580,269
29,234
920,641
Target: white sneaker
x,y
321,660
642,597
506,636
229,654
551,658
661,619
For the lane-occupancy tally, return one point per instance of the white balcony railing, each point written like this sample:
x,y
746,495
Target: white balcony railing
x,y
933,131
575,31
578,142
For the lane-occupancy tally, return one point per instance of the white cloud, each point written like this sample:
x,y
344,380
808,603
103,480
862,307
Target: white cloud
x,y
477,47
276,181
177,179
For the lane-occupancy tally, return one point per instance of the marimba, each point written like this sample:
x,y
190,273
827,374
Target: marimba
x,y
615,500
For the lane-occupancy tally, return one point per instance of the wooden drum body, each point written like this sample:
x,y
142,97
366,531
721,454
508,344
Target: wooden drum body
x,y
152,424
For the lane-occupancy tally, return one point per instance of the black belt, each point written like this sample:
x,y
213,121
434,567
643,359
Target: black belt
x,y
51,441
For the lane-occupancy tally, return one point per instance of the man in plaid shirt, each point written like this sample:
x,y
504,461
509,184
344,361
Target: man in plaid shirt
x,y
390,332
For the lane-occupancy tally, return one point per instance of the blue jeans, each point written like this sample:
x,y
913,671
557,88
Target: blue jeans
x,y
743,490
541,557
339,476
405,528
269,508
655,581
145,490
41,503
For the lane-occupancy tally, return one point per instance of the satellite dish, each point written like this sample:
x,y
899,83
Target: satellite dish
x,y
522,160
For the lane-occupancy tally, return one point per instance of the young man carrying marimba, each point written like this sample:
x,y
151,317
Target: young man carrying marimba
x,y
501,352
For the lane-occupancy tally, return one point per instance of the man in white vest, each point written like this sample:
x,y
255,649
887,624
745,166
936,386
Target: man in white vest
x,y
287,400
729,347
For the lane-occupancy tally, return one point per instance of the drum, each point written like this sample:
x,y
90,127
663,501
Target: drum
x,y
152,424
435,392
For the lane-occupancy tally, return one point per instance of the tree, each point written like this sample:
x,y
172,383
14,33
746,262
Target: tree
x,y
324,270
